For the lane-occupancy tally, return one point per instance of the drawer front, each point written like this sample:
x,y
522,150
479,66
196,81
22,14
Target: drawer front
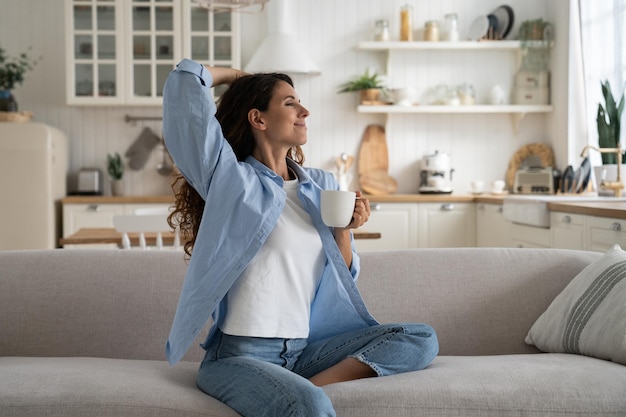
x,y
604,232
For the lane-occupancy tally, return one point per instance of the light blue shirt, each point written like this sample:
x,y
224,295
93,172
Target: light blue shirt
x,y
243,203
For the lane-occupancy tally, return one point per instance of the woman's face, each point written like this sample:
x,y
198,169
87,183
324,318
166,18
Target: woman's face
x,y
285,117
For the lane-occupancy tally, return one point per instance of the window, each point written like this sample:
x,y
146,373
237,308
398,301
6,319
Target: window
x,y
603,31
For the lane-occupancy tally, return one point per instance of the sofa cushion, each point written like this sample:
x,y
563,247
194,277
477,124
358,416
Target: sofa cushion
x,y
589,316
535,385
529,385
68,387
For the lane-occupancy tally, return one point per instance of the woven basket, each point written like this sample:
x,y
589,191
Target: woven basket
x,y
15,116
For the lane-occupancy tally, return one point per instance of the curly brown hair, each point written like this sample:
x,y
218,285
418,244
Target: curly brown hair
x,y
246,93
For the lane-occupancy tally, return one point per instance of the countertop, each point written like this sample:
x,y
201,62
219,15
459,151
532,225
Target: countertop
x,y
390,198
99,199
616,209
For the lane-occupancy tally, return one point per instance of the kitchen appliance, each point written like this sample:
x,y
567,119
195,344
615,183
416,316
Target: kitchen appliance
x,y
436,174
89,181
534,180
33,170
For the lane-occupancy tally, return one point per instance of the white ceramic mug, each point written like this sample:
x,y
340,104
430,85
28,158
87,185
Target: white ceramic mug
x,y
337,207
497,187
477,186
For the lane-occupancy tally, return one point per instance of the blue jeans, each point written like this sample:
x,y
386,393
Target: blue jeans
x,y
260,377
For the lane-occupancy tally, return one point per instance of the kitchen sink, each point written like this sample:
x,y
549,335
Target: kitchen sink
x,y
533,210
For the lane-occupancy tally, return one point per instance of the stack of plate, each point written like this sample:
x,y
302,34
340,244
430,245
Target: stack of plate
x,y
496,25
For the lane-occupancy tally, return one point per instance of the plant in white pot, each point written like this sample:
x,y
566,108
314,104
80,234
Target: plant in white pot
x,y
608,122
115,168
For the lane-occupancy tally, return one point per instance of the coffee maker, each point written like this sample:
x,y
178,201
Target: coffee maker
x,y
436,174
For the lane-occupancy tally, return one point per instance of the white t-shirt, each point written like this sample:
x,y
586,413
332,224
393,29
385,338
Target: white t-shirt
x,y
273,296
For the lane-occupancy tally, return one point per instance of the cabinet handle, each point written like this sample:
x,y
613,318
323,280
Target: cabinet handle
x,y
447,207
481,207
567,219
500,209
93,207
617,227
376,207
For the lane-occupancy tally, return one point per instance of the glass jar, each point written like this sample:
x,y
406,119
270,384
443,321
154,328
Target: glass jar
x,y
406,23
451,27
382,31
431,31
467,95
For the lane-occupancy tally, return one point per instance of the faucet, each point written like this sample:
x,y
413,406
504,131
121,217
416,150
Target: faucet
x,y
617,186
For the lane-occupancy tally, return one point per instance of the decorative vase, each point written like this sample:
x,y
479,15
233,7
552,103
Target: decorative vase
x,y
117,187
7,101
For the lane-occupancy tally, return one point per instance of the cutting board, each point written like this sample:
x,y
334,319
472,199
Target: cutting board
x,y
373,155
378,183
374,163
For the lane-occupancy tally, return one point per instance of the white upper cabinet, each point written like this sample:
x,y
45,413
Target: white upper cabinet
x,y
121,51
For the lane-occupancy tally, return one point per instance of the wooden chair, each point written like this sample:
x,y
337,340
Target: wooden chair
x,y
145,221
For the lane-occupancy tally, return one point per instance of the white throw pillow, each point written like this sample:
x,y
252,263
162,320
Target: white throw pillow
x,y
589,316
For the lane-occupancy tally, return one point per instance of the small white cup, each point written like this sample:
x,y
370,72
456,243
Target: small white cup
x,y
477,186
337,207
497,187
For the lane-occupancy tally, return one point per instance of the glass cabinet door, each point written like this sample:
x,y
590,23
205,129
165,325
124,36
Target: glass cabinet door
x,y
154,36
94,65
121,51
211,38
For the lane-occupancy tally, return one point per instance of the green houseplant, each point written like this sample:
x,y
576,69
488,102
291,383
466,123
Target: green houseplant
x,y
115,168
12,72
532,30
608,122
367,84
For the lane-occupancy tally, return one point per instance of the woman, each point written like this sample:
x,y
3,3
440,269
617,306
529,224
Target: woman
x,y
279,284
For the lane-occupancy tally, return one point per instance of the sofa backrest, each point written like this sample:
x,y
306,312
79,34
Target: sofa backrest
x,y
102,303
120,304
480,301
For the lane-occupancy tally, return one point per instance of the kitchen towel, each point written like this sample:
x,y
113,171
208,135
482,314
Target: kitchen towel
x,y
139,151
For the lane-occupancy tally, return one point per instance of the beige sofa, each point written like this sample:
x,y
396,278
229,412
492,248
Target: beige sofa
x,y
82,333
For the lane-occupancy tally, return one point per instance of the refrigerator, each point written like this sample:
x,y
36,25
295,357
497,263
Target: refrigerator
x,y
33,170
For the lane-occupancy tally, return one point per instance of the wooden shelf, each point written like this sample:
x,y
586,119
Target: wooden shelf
x,y
460,45
478,108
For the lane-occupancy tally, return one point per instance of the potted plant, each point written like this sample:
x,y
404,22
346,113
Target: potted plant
x,y
12,72
608,125
115,168
532,30
608,122
367,84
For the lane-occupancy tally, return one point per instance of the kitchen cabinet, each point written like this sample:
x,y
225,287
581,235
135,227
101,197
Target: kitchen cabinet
x,y
604,232
397,224
121,51
517,112
567,230
492,230
446,225
523,236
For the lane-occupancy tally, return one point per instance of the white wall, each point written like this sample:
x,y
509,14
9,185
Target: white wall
x,y
480,145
